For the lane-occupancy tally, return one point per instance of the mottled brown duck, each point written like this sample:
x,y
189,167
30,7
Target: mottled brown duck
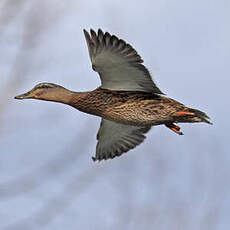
x,y
128,100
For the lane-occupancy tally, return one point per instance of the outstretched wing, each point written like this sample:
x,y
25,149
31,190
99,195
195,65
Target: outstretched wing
x,y
115,139
118,64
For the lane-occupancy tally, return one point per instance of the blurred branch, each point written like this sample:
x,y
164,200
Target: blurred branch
x,y
35,24
10,10
20,67
63,161
59,203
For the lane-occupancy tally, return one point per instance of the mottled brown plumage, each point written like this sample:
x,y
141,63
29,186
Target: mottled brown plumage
x,y
128,101
133,108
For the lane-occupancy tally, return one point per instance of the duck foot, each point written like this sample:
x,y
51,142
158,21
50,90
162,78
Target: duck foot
x,y
182,113
174,128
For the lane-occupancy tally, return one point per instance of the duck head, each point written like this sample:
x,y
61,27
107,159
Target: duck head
x,y
47,92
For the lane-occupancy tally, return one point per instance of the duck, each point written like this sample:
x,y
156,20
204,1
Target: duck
x,y
128,100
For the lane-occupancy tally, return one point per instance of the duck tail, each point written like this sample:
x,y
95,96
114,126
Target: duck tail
x,y
200,116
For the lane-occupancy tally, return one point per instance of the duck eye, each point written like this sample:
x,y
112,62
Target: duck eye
x,y
43,87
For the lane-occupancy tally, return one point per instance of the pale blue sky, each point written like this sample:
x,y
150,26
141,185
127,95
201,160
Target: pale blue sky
x,y
48,180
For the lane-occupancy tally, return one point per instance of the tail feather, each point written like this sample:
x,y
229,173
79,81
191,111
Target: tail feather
x,y
203,116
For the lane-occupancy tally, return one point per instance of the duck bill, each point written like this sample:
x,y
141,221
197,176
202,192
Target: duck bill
x,y
27,95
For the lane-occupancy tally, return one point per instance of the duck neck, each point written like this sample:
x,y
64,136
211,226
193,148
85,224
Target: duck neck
x,y
66,97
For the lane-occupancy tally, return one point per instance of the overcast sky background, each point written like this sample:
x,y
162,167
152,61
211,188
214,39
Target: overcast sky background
x,y
48,180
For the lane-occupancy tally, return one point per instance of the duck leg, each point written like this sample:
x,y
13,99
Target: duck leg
x,y
174,128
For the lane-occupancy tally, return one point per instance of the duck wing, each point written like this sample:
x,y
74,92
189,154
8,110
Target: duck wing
x,y
115,139
118,64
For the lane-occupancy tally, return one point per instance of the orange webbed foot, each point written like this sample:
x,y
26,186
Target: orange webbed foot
x,y
182,113
174,128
